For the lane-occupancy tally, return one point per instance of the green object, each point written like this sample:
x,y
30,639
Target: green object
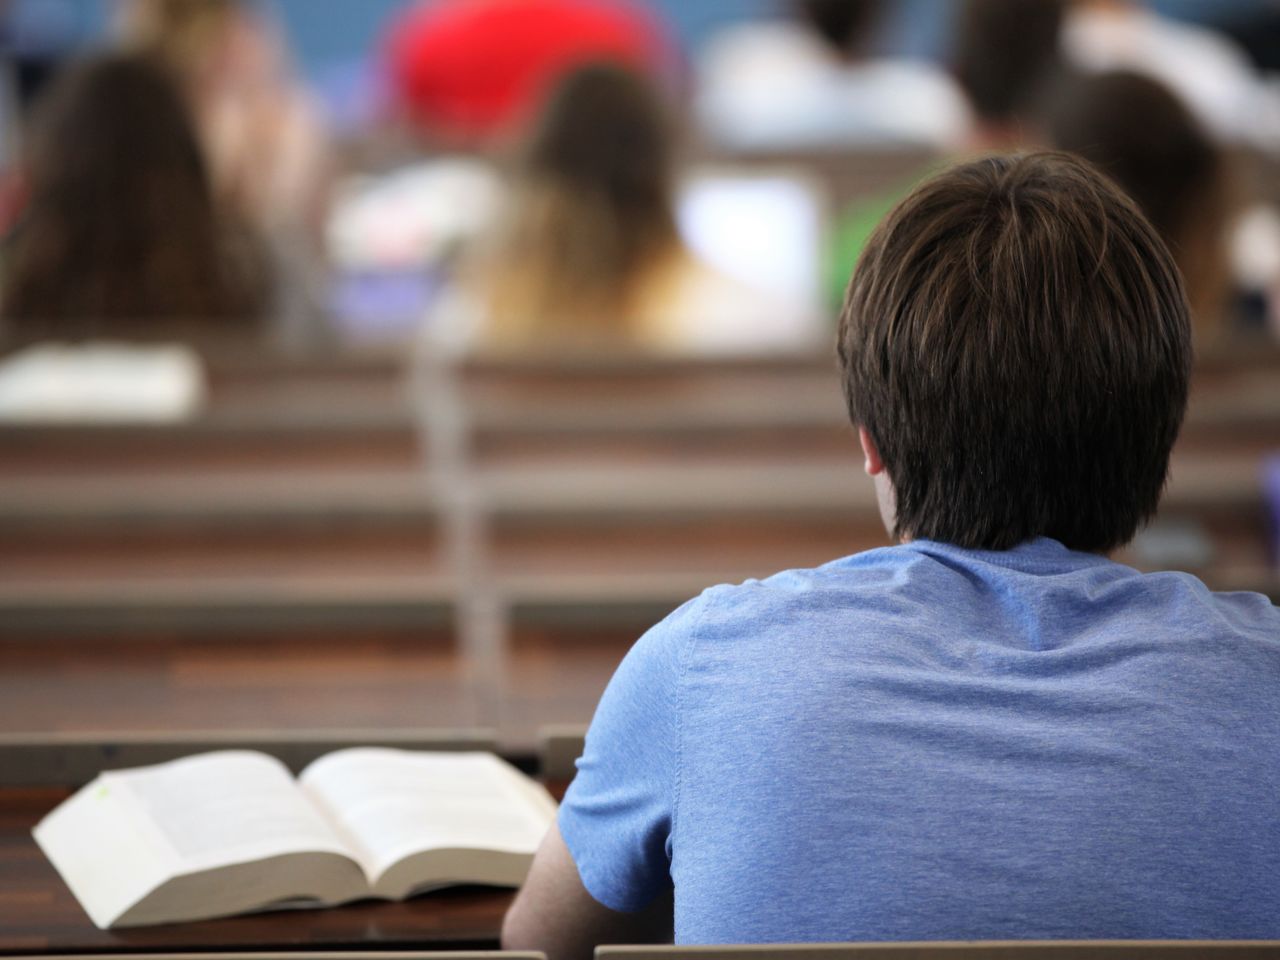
x,y
853,229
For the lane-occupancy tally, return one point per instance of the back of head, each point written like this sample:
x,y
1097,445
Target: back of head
x,y
592,208
121,230
1142,136
604,132
1016,341
1005,50
844,24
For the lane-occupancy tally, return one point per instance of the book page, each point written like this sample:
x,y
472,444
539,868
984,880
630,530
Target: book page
x,y
390,804
99,845
227,807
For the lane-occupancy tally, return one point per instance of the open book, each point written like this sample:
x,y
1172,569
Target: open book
x,y
231,832
101,382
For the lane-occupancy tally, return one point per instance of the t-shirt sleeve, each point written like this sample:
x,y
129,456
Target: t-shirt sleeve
x,y
617,816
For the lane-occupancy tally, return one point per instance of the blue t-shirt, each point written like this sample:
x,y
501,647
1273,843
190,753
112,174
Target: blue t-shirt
x,y
923,742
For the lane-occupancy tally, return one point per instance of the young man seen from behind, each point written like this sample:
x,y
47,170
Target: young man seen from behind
x,y
989,730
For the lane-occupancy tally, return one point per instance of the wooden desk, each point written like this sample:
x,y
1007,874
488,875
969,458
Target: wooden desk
x,y
288,549
352,680
359,415
79,553
313,627
292,571
38,913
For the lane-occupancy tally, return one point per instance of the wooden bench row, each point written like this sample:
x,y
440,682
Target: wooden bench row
x,y
554,537
688,413
587,545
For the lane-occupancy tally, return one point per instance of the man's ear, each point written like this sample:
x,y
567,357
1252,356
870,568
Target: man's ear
x,y
874,464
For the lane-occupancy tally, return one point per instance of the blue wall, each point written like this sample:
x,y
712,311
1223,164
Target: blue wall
x,y
329,34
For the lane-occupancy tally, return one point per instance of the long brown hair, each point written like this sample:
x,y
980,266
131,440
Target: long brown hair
x,y
1137,132
591,222
121,234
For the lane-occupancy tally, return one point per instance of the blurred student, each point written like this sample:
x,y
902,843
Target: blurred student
x,y
119,251
1005,55
262,132
1203,67
265,139
812,81
990,730
1136,131
473,71
120,234
587,255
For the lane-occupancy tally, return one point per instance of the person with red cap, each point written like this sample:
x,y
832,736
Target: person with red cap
x,y
470,70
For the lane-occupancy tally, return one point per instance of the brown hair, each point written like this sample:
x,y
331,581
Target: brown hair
x,y
844,24
1138,133
1005,52
1016,341
592,219
120,230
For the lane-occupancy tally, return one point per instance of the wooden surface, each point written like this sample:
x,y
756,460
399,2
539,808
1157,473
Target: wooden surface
x,y
70,759
354,415
38,913
283,562
298,552
354,680
321,954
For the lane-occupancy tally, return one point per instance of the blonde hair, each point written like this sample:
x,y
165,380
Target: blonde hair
x,y
590,233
